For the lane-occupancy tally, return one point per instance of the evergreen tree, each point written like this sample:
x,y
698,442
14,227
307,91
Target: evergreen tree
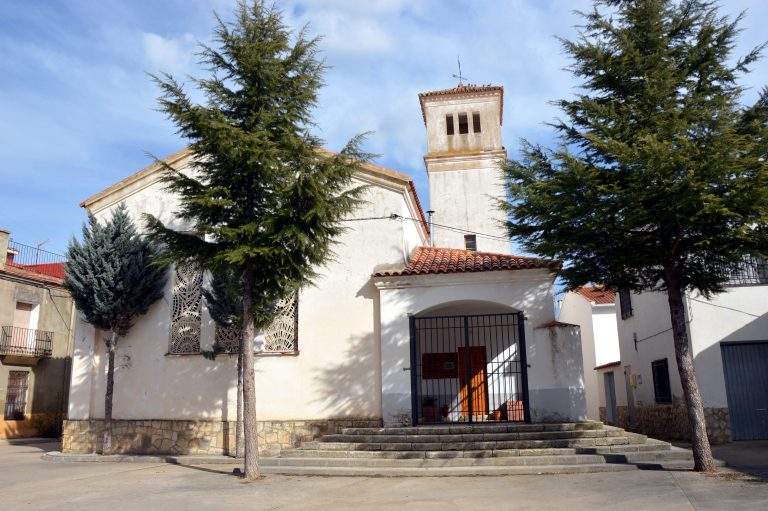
x,y
113,278
660,183
263,198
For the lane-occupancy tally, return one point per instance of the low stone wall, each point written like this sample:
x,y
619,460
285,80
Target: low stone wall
x,y
670,422
196,437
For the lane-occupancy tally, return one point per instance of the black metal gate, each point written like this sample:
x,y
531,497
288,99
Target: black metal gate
x,y
468,369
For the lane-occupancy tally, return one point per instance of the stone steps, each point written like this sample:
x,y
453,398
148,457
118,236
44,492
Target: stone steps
x,y
477,449
468,446
319,453
556,460
445,471
471,437
477,428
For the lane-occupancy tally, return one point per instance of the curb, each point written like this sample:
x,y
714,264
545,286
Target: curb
x,y
60,457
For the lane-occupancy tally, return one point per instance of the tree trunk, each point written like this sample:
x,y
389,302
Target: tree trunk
x,y
249,382
239,423
702,453
106,445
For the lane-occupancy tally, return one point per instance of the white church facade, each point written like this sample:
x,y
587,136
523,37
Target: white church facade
x,y
412,322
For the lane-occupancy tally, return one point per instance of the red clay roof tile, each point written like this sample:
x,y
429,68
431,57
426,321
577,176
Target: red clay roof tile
x,y
599,295
434,260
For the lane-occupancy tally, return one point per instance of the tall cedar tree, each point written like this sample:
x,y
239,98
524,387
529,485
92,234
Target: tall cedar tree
x,y
263,199
660,183
113,277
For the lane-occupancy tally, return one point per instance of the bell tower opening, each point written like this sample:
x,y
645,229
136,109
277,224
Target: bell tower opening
x,y
463,161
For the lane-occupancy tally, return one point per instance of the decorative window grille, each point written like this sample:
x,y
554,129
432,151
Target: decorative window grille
x,y
185,310
228,338
625,303
752,271
279,337
16,395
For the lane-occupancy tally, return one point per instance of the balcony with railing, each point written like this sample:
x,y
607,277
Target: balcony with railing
x,y
25,342
26,258
752,271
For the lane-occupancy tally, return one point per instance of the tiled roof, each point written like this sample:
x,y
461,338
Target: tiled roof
x,y
52,273
463,89
599,295
433,260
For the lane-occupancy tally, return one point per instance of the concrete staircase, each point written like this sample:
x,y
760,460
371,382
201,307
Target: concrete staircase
x,y
478,449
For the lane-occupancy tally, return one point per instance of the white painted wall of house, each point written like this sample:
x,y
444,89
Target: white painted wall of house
x,y
710,323
599,342
336,374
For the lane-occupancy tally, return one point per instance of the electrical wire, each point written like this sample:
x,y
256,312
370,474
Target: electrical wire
x,y
395,216
724,307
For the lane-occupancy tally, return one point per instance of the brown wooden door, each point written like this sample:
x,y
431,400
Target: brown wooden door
x,y
478,382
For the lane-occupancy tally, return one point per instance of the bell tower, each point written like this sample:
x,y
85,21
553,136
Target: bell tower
x,y
464,153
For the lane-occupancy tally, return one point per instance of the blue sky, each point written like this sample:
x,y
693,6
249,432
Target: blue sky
x,y
77,107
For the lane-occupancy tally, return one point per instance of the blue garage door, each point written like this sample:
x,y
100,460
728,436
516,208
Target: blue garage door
x,y
746,383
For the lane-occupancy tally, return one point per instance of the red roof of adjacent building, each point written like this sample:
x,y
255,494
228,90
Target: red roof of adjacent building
x,y
599,295
434,260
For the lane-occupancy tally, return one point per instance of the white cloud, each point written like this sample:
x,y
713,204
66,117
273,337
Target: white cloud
x,y
173,55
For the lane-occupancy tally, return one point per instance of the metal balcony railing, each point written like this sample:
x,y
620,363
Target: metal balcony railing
x,y
752,271
36,260
25,342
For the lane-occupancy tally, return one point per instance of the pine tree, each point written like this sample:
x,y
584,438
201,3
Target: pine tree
x,y
660,183
113,277
263,199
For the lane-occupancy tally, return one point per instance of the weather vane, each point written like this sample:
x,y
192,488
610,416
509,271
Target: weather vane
x,y
459,76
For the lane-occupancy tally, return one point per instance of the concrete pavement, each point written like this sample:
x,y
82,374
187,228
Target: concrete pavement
x,y
31,483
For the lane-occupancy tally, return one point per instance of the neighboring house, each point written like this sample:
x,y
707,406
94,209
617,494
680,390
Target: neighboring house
x,y
395,330
36,321
729,341
594,310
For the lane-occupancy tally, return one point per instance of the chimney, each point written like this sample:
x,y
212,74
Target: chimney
x,y
5,237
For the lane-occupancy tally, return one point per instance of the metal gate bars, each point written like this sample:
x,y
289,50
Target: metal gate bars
x,y
468,368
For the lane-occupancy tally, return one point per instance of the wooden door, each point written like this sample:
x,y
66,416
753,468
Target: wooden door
x,y
478,387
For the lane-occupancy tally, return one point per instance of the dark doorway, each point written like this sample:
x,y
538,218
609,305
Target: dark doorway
x,y
468,368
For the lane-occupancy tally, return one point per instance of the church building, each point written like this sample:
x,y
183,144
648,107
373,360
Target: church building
x,y
418,320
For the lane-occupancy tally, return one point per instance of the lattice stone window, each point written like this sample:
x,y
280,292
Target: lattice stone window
x,y
281,337
185,310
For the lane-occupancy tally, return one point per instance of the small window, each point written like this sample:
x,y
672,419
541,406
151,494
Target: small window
x,y
476,122
16,395
470,242
625,303
661,389
463,124
449,124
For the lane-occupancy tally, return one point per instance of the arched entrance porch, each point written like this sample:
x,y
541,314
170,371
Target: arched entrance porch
x,y
468,364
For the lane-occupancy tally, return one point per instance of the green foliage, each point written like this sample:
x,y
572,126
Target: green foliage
x,y
661,175
112,274
263,197
224,298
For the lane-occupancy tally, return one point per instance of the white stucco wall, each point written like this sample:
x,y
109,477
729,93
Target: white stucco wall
x,y
577,310
335,374
555,375
739,314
